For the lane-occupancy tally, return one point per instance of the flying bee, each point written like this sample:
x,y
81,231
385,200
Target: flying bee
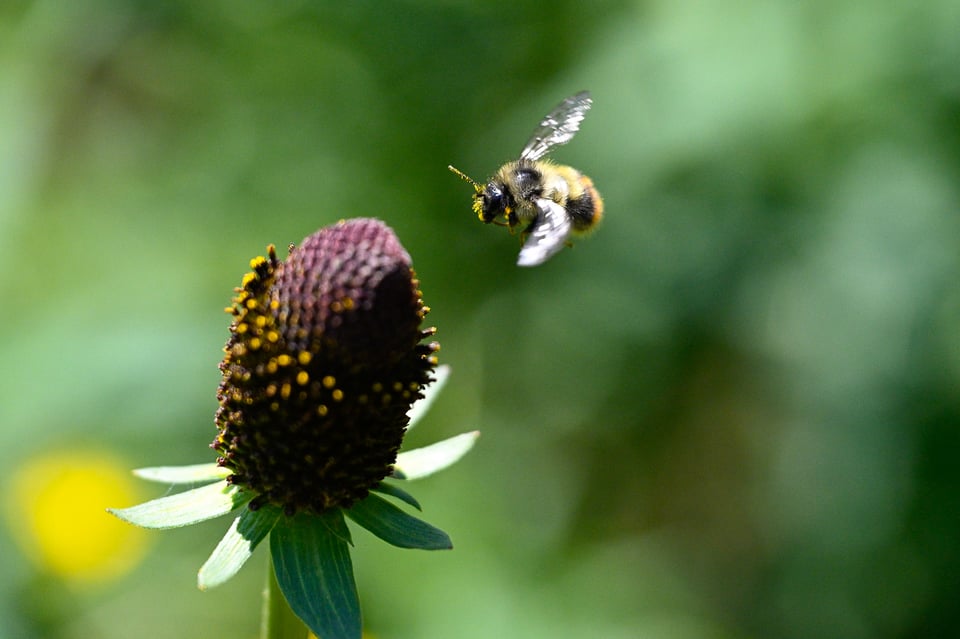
x,y
549,202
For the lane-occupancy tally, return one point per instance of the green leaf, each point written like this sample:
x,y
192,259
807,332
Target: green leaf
x,y
422,405
312,562
399,493
277,619
420,462
183,509
396,527
247,530
195,474
338,527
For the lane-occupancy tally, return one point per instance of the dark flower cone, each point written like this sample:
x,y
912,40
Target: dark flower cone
x,y
323,362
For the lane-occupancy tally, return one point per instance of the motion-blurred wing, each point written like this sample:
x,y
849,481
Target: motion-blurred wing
x,y
558,127
550,231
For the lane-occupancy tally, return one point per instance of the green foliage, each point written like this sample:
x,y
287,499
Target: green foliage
x,y
186,508
311,557
397,492
396,527
245,533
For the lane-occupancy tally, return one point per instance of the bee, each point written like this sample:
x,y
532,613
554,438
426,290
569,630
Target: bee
x,y
548,202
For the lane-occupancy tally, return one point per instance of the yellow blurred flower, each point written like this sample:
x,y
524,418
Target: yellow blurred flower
x,y
56,509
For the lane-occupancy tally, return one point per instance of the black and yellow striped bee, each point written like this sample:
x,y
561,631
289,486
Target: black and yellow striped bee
x,y
549,202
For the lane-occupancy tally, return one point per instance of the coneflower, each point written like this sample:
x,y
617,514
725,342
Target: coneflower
x,y
325,360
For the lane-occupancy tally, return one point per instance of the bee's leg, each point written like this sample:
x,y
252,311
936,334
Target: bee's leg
x,y
512,219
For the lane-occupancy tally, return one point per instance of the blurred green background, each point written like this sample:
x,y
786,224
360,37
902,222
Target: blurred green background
x,y
733,412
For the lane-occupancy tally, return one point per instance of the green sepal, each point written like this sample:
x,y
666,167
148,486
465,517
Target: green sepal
x,y
183,509
422,405
420,462
399,493
193,474
396,527
247,530
312,564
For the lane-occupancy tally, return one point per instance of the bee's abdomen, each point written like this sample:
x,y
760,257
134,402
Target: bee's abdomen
x,y
586,207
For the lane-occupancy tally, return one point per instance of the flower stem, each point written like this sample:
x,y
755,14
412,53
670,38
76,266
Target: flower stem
x,y
277,619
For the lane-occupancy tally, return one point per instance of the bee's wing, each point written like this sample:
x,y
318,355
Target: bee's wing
x,y
558,127
547,234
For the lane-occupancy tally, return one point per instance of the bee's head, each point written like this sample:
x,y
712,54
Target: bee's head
x,y
488,201
492,202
